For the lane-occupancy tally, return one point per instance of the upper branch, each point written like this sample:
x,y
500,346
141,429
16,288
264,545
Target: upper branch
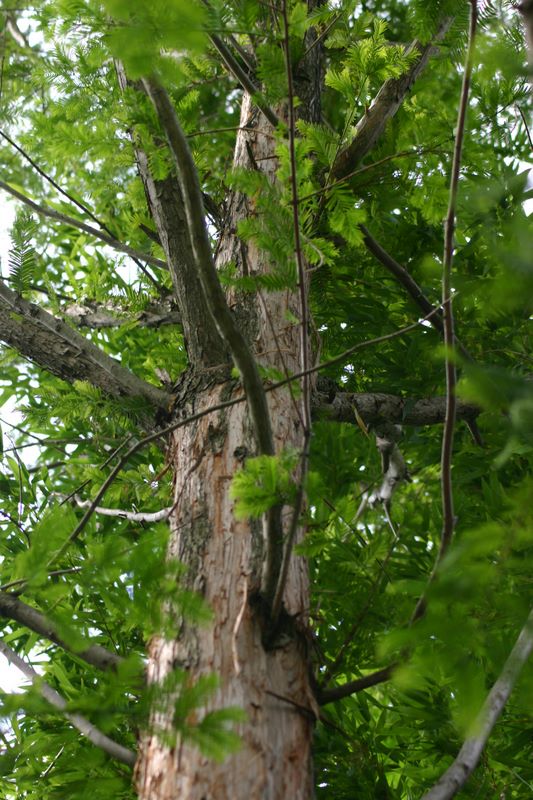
x,y
325,696
205,347
203,258
385,105
56,347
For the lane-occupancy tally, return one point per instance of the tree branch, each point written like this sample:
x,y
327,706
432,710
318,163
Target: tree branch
x,y
205,347
325,696
82,226
410,285
133,516
95,655
86,728
242,77
468,757
385,105
203,258
376,407
56,347
95,316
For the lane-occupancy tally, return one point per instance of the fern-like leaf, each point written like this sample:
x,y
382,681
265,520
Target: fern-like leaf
x,y
22,262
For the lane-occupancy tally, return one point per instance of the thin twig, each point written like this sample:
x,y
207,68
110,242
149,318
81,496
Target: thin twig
x,y
45,211
449,334
53,183
332,669
468,757
448,525
418,151
82,724
54,573
524,120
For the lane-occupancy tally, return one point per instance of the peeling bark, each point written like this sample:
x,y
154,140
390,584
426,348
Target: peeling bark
x,y
224,557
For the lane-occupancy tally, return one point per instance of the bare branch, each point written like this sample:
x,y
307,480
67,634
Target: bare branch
x,y
448,515
133,516
468,757
95,654
53,183
410,285
385,105
45,211
86,728
376,407
97,316
325,696
55,346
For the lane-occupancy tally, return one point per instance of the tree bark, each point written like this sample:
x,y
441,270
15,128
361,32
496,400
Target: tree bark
x,y
224,559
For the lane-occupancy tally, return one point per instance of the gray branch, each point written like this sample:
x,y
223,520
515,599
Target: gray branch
x,y
375,408
56,347
44,211
79,722
96,316
133,516
468,757
385,105
95,655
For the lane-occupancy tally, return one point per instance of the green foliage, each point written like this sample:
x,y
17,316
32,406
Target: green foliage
x,y
264,481
115,586
22,263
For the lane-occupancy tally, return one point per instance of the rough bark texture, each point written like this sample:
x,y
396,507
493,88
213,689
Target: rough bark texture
x,y
165,203
225,559
376,407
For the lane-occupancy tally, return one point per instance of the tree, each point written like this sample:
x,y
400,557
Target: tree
x,y
223,326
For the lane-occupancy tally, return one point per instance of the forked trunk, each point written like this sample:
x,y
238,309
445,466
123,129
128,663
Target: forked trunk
x,y
225,557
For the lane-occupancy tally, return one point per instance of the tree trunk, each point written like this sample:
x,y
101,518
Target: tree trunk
x,y
225,558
